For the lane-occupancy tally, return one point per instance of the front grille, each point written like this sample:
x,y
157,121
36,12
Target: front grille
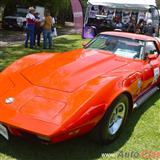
x,y
32,137
10,21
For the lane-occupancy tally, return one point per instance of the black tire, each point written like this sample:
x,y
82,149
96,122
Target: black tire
x,y
101,133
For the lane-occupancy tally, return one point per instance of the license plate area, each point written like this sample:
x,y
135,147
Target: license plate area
x,y
4,132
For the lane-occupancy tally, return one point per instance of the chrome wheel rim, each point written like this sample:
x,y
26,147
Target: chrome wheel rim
x,y
116,118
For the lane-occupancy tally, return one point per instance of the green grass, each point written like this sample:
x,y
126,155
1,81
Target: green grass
x,y
142,131
61,44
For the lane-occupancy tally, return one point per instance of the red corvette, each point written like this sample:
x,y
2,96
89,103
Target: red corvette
x,y
55,97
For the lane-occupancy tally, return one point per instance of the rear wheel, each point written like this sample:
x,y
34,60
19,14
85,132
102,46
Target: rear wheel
x,y
113,121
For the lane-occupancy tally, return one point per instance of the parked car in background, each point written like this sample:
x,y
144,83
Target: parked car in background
x,y
17,19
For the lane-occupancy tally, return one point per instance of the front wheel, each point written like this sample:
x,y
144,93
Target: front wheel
x,y
113,121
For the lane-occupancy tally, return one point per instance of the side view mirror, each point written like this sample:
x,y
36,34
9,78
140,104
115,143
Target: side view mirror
x,y
152,57
84,44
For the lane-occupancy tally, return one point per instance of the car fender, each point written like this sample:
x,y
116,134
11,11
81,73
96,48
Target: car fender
x,y
93,108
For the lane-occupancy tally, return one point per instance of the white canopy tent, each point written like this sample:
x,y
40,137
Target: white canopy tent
x,y
107,10
128,4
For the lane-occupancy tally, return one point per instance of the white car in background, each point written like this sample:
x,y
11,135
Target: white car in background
x,y
18,20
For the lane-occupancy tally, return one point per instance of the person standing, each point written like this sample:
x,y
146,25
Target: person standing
x,y
140,26
38,30
118,25
30,27
149,29
132,26
47,30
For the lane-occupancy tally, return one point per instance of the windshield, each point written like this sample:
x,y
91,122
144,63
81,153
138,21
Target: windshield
x,y
21,14
120,46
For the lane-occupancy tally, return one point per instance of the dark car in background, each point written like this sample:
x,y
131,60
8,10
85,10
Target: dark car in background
x,y
16,19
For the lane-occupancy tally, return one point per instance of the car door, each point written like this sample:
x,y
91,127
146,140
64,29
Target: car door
x,y
151,69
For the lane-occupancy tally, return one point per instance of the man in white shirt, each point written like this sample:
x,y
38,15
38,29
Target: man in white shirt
x,y
30,27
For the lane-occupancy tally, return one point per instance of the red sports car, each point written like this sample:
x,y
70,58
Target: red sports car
x,y
55,97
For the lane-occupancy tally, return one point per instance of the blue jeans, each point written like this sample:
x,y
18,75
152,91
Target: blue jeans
x,y
29,36
47,38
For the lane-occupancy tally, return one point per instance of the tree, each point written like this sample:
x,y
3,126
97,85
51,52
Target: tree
x,y
61,9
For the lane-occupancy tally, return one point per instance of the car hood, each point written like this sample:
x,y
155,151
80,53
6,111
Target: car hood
x,y
14,17
10,17
68,71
